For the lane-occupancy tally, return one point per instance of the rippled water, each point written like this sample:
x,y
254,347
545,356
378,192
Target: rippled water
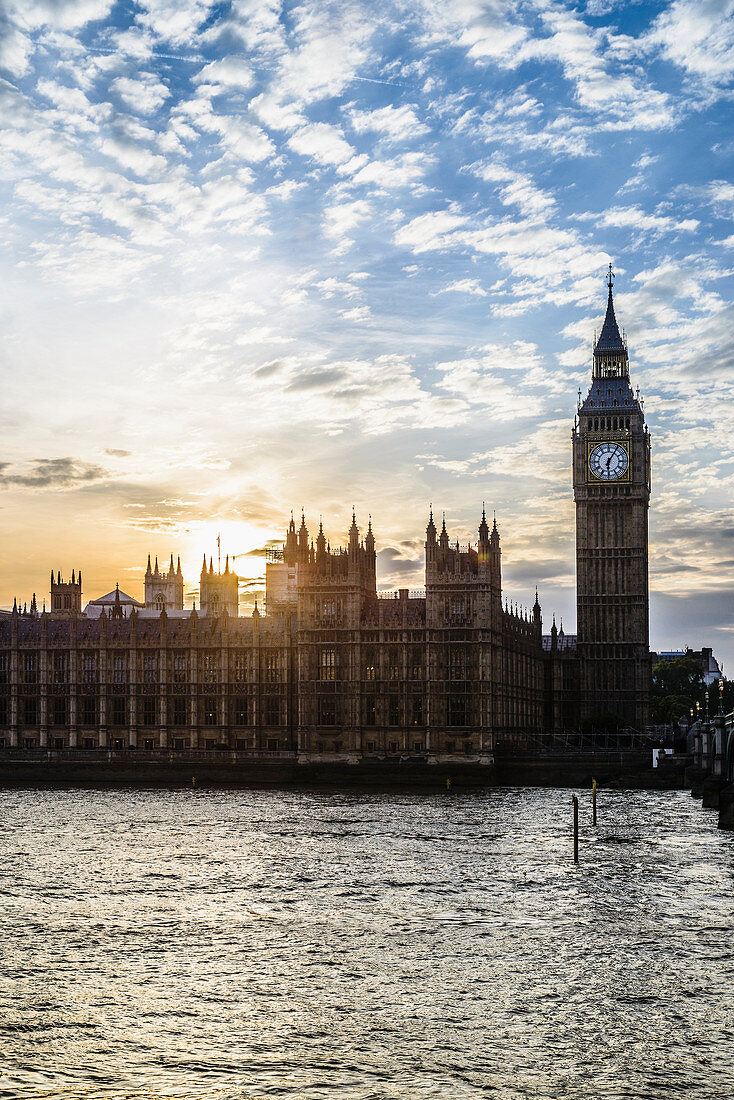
x,y
267,944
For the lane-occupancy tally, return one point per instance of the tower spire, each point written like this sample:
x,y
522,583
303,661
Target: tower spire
x,y
610,351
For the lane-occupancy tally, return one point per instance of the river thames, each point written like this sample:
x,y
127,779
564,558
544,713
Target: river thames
x,y
237,945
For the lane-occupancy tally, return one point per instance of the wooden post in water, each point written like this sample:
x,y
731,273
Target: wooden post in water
x,y
575,829
593,802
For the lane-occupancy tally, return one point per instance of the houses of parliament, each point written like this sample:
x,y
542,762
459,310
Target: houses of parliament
x,y
332,669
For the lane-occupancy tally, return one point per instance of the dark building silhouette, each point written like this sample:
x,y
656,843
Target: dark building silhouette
x,y
611,481
335,670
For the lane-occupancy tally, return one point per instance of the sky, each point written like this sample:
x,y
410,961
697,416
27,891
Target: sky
x,y
260,256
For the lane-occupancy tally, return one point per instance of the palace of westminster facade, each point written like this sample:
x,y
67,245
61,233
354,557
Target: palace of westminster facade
x,y
336,671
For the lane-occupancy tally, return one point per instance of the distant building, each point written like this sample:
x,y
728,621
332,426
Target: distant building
x,y
710,669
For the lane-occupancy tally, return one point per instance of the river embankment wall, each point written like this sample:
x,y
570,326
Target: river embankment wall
x,y
232,770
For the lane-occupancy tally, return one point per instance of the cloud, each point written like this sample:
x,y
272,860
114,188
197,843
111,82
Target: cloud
x,y
632,217
698,36
434,230
464,286
226,73
264,551
51,473
188,185
57,14
483,379
173,21
393,124
405,170
343,217
144,94
323,143
517,189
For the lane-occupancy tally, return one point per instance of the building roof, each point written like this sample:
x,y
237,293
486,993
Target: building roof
x,y
610,393
111,598
94,608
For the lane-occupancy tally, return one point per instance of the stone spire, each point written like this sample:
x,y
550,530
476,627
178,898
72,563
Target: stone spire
x,y
431,528
536,607
610,350
369,541
443,538
303,534
483,529
354,533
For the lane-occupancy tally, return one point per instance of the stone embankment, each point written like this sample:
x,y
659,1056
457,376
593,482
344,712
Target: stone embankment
x,y
710,775
202,768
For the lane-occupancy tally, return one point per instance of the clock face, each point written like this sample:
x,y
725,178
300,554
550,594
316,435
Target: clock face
x,y
608,461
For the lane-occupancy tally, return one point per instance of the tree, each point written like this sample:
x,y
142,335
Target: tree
x,y
678,685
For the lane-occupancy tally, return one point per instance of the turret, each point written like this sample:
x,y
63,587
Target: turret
x,y
537,615
66,596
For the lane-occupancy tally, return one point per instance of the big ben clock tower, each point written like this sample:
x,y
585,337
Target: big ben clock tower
x,y
611,482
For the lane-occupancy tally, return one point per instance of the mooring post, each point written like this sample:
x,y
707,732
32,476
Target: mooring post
x,y
575,829
593,802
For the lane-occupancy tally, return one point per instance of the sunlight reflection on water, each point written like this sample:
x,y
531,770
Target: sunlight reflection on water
x,y
237,945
